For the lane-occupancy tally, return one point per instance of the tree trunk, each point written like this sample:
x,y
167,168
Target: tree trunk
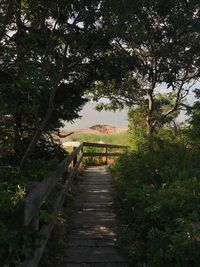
x,y
47,117
40,129
17,135
149,120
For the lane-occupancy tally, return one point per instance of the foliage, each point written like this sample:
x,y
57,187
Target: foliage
x,y
194,113
50,53
61,231
16,242
159,36
158,202
93,161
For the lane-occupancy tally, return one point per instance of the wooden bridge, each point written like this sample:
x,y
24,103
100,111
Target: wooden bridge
x,y
92,241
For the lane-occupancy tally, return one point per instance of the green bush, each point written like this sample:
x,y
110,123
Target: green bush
x,y
17,242
158,197
92,161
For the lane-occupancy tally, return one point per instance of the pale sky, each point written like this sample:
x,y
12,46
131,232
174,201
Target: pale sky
x,y
91,117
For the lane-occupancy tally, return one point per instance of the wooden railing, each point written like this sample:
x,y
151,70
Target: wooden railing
x,y
29,207
107,153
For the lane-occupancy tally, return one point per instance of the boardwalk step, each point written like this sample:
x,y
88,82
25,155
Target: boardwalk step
x,y
94,264
93,254
92,242
100,232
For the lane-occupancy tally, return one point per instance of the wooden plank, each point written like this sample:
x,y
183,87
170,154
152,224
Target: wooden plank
x,y
86,144
92,255
73,155
46,230
33,201
99,154
92,239
106,155
73,174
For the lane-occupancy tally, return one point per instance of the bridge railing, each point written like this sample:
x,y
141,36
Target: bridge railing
x,y
109,150
30,205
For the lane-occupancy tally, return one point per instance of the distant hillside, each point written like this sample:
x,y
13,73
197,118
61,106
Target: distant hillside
x,y
98,129
109,129
98,133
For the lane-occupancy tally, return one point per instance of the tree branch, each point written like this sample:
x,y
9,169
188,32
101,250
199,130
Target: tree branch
x,y
45,121
177,101
63,135
7,18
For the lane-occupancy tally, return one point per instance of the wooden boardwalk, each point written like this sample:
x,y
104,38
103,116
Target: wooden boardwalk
x,y
92,240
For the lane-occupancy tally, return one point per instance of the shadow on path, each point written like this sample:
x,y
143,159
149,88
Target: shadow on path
x,y
92,240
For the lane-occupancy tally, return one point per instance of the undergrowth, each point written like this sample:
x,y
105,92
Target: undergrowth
x,y
56,248
17,242
158,198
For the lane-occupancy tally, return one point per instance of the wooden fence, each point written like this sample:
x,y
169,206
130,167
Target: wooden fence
x,y
29,207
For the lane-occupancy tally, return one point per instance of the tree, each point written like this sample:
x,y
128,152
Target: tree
x,y
48,56
160,35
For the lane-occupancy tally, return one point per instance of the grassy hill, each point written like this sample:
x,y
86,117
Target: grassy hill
x,y
100,133
113,138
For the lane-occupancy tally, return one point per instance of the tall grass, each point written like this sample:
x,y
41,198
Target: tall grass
x,y
114,138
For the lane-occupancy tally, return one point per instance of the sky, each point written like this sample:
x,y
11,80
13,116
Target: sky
x,y
92,117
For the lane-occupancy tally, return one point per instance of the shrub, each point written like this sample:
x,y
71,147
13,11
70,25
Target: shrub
x,y
159,204
16,242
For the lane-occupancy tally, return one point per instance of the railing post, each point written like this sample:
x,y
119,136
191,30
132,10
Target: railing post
x,y
34,224
75,159
106,155
82,151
